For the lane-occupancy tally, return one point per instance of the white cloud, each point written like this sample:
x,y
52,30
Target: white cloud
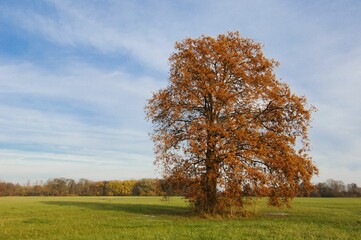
x,y
112,91
114,133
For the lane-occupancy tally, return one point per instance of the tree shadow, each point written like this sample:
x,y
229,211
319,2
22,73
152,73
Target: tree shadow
x,y
144,209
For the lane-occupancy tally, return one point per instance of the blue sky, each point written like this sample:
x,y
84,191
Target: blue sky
x,y
75,76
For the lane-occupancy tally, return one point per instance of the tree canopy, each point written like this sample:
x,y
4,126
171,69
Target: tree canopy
x,y
225,128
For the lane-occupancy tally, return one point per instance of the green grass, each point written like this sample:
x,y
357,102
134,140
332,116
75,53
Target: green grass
x,y
152,218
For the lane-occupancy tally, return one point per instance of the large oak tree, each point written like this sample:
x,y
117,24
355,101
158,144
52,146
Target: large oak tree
x,y
225,128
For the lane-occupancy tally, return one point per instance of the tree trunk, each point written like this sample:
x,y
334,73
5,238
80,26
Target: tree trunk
x,y
211,190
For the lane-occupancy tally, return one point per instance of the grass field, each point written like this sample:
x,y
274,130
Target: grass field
x,y
152,218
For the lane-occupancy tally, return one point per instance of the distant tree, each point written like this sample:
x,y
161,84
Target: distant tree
x,y
99,188
323,190
353,190
314,192
147,187
105,189
113,188
127,187
71,187
337,188
57,187
37,190
83,187
172,188
225,126
2,188
121,188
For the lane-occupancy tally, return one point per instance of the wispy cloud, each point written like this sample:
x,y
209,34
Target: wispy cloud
x,y
21,166
108,28
99,121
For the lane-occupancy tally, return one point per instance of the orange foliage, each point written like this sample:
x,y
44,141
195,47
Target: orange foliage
x,y
225,128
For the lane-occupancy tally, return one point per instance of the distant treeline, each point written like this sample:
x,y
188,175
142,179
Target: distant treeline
x,y
84,187
335,188
143,187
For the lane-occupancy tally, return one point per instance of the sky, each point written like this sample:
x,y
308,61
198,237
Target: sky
x,y
75,77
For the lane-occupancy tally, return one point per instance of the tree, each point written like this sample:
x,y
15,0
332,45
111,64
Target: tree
x,y
146,187
121,188
337,188
353,190
226,128
84,187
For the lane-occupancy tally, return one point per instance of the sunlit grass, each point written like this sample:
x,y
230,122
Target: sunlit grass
x,y
154,218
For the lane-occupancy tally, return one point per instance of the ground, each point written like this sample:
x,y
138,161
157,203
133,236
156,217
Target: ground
x,y
154,218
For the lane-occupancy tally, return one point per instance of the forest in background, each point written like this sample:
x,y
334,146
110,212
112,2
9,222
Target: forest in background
x,y
83,187
143,187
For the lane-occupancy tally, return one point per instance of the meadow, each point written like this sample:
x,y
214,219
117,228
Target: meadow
x,y
154,218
